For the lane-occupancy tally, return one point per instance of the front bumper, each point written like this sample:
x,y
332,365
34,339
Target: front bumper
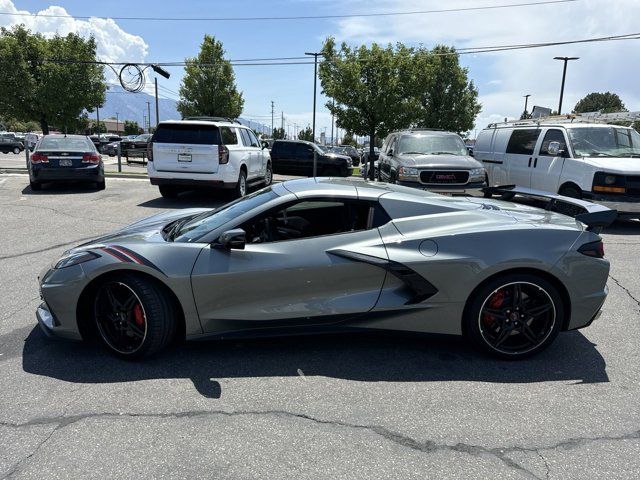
x,y
94,173
622,203
467,189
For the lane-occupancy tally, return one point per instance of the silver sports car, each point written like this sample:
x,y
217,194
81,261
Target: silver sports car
x,y
318,255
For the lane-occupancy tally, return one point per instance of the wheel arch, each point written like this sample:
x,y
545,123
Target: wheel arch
x,y
571,184
562,290
87,329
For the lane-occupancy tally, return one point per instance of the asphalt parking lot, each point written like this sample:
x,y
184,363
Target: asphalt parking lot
x,y
319,407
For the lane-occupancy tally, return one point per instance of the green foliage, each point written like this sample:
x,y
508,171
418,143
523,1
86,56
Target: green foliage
x,y
101,128
306,134
377,89
278,133
348,139
13,125
209,85
605,102
131,127
49,92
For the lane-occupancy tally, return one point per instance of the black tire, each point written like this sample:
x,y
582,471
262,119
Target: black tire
x,y
101,185
268,177
158,314
35,186
16,151
501,332
487,194
240,190
570,191
331,172
168,191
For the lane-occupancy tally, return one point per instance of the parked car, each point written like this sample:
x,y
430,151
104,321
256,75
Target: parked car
x,y
349,151
31,139
431,160
10,144
111,149
295,157
65,158
206,153
329,255
594,161
364,171
101,141
135,150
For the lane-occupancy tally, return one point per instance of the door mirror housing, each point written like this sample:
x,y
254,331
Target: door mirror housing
x,y
554,149
265,145
235,239
390,152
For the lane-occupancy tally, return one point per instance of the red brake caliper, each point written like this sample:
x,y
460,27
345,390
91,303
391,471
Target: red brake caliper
x,y
495,303
138,314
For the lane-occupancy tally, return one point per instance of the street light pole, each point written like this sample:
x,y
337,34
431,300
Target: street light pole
x,y
526,103
271,118
564,76
315,81
117,124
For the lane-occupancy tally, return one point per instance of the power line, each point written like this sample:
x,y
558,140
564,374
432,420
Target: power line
x,y
297,17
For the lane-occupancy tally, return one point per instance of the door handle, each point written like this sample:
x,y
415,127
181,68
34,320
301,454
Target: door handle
x,y
530,158
535,163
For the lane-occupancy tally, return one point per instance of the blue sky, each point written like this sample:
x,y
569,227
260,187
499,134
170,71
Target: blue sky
x,y
501,78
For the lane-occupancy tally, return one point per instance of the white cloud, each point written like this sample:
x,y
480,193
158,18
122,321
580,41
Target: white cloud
x,y
113,43
503,78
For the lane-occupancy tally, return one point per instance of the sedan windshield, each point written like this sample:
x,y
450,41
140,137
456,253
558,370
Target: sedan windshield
x,y
197,227
431,145
605,142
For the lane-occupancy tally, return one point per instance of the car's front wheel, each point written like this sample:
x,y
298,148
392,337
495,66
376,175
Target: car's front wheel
x,y
16,150
514,316
133,317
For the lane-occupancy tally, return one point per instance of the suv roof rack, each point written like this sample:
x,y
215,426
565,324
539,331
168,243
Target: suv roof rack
x,y
212,119
588,117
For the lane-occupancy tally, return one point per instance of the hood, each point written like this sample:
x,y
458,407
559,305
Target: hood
x,y
147,229
462,162
337,155
620,165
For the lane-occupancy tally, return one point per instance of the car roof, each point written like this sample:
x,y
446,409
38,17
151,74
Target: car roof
x,y
557,125
202,122
424,131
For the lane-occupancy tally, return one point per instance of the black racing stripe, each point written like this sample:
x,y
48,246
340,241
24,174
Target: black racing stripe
x,y
144,260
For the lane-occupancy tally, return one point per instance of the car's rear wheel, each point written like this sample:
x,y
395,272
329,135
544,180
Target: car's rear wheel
x,y
35,186
268,176
16,150
101,185
168,191
133,317
514,316
241,187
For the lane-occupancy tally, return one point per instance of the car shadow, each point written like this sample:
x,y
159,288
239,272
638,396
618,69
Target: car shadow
x,y
61,188
190,199
623,227
364,358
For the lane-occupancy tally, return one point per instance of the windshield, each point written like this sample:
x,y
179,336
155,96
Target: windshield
x,y
199,226
432,145
605,142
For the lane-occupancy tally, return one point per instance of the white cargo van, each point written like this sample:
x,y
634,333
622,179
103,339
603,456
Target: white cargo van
x,y
570,156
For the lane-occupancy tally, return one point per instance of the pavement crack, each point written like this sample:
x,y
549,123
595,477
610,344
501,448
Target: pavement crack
x,y
546,465
626,290
20,309
50,247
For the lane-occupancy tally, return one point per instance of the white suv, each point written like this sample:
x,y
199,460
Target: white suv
x,y
593,161
212,152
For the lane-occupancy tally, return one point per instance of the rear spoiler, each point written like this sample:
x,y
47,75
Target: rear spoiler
x,y
595,216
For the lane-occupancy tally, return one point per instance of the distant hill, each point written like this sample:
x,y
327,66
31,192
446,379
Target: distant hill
x,y
133,106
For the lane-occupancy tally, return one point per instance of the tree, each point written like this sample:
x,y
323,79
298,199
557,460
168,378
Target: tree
x,y
444,96
131,127
43,89
209,84
605,102
365,85
278,133
306,134
349,140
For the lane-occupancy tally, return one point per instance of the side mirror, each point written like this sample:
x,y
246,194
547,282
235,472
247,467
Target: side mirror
x,y
265,145
390,152
233,239
554,149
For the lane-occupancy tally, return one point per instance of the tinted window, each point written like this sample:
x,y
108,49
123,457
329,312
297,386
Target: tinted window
x,y
246,141
187,133
553,136
252,138
522,142
284,149
82,144
229,136
304,151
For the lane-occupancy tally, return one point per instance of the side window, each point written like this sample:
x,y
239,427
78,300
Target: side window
x,y
553,136
523,142
310,218
303,151
252,138
391,145
229,136
245,137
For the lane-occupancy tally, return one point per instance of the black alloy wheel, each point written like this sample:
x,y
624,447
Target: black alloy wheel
x,y
515,317
133,316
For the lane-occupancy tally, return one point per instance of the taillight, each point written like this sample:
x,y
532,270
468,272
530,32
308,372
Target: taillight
x,y
223,154
91,158
150,152
39,158
593,249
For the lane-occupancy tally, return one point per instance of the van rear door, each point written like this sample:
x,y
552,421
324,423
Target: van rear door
x,y
186,147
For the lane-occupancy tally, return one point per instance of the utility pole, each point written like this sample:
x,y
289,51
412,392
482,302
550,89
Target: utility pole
x,y
271,118
295,131
564,76
149,117
333,103
117,124
98,115
315,81
526,103
282,121
157,109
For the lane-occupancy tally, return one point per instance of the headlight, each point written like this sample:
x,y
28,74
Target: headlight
x,y
74,259
408,174
609,180
477,174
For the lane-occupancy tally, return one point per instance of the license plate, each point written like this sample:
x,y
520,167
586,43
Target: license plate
x,y
65,163
184,158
